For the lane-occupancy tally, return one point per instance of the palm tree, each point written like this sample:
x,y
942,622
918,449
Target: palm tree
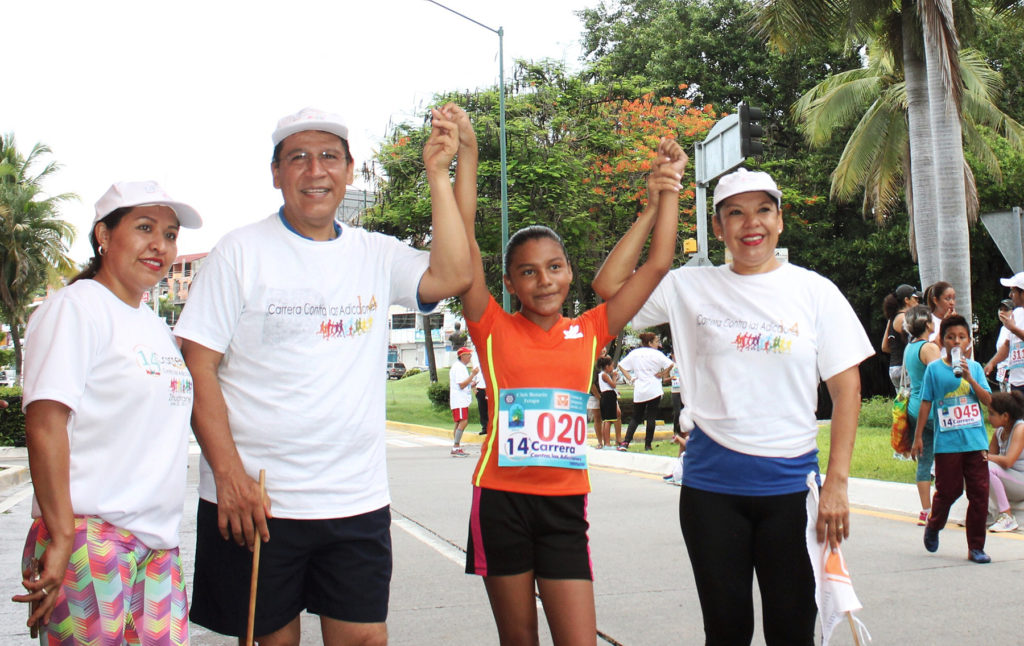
x,y
925,32
33,239
876,156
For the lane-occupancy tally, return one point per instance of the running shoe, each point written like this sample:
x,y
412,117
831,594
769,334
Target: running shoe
x,y
623,447
922,518
1005,523
979,556
931,539
459,453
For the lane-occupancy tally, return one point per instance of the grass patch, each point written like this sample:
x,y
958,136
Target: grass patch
x,y
406,401
872,455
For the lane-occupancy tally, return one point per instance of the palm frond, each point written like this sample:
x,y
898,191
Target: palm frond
x,y
861,158
834,104
978,147
784,23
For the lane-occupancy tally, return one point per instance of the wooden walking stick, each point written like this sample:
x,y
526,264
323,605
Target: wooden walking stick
x,y
255,568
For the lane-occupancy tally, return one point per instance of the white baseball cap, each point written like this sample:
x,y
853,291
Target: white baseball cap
x,y
309,119
128,194
1017,280
745,181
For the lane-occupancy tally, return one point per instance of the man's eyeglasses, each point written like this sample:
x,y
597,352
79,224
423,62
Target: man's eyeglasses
x,y
303,159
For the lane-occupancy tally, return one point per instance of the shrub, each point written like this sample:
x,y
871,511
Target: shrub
x,y
12,420
411,371
876,412
437,392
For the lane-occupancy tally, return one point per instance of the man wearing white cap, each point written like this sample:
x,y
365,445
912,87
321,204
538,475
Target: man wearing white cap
x,y
1010,345
281,329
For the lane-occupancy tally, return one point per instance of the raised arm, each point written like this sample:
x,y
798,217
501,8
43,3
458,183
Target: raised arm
x,y
620,263
241,511
449,270
625,302
476,296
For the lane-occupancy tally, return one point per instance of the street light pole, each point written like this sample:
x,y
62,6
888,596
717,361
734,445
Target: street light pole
x,y
501,128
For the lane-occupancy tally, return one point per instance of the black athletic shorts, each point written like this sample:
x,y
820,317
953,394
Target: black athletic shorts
x,y
513,533
336,567
609,405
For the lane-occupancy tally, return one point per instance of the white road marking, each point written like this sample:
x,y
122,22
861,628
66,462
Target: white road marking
x,y
402,443
443,548
25,491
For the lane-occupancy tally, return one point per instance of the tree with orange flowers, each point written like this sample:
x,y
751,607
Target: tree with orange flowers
x,y
578,156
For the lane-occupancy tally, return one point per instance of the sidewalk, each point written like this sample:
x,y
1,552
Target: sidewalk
x,y
892,497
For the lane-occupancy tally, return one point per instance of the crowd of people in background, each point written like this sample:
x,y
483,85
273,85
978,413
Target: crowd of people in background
x,y
931,353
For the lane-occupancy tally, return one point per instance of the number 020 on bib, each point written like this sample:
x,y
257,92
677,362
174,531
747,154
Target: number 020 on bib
x,y
542,427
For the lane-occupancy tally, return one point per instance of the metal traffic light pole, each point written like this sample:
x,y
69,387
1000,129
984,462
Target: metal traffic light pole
x,y
727,146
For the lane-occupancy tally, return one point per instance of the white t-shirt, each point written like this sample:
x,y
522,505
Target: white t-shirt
x,y
1015,358
303,327
459,397
478,380
755,347
119,371
643,365
936,322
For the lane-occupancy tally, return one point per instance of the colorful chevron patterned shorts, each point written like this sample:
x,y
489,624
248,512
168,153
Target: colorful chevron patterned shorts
x,y
116,590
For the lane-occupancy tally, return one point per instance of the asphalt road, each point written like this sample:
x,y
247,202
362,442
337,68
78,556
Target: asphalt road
x,y
643,588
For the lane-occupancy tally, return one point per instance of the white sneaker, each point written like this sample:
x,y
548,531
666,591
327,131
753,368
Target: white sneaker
x,y
1005,523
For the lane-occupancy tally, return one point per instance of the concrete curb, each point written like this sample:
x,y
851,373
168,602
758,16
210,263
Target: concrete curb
x,y
12,476
893,497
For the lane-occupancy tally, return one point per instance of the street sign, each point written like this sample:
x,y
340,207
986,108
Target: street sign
x,y
1008,233
720,150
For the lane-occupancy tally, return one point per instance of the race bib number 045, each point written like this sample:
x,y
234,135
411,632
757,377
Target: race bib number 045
x,y
542,427
957,413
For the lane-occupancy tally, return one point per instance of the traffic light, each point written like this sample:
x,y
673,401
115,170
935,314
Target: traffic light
x,y
750,130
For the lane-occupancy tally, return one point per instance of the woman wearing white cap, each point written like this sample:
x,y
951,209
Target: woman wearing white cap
x,y
107,403
753,339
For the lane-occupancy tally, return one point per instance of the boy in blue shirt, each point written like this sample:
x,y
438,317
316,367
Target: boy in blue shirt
x,y
961,441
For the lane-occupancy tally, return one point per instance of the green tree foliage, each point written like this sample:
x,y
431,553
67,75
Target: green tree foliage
x,y
712,46
578,154
34,239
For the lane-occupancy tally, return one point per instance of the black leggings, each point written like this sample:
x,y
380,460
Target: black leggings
x,y
641,410
730,537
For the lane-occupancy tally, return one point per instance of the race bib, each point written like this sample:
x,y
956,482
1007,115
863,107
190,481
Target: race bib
x,y
1016,358
955,413
542,427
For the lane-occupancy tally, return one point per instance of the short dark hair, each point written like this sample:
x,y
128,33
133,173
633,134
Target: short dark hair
x,y
524,235
276,159
603,362
647,337
952,321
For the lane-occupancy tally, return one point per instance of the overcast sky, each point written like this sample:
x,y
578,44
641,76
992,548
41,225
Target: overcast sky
x,y
188,93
